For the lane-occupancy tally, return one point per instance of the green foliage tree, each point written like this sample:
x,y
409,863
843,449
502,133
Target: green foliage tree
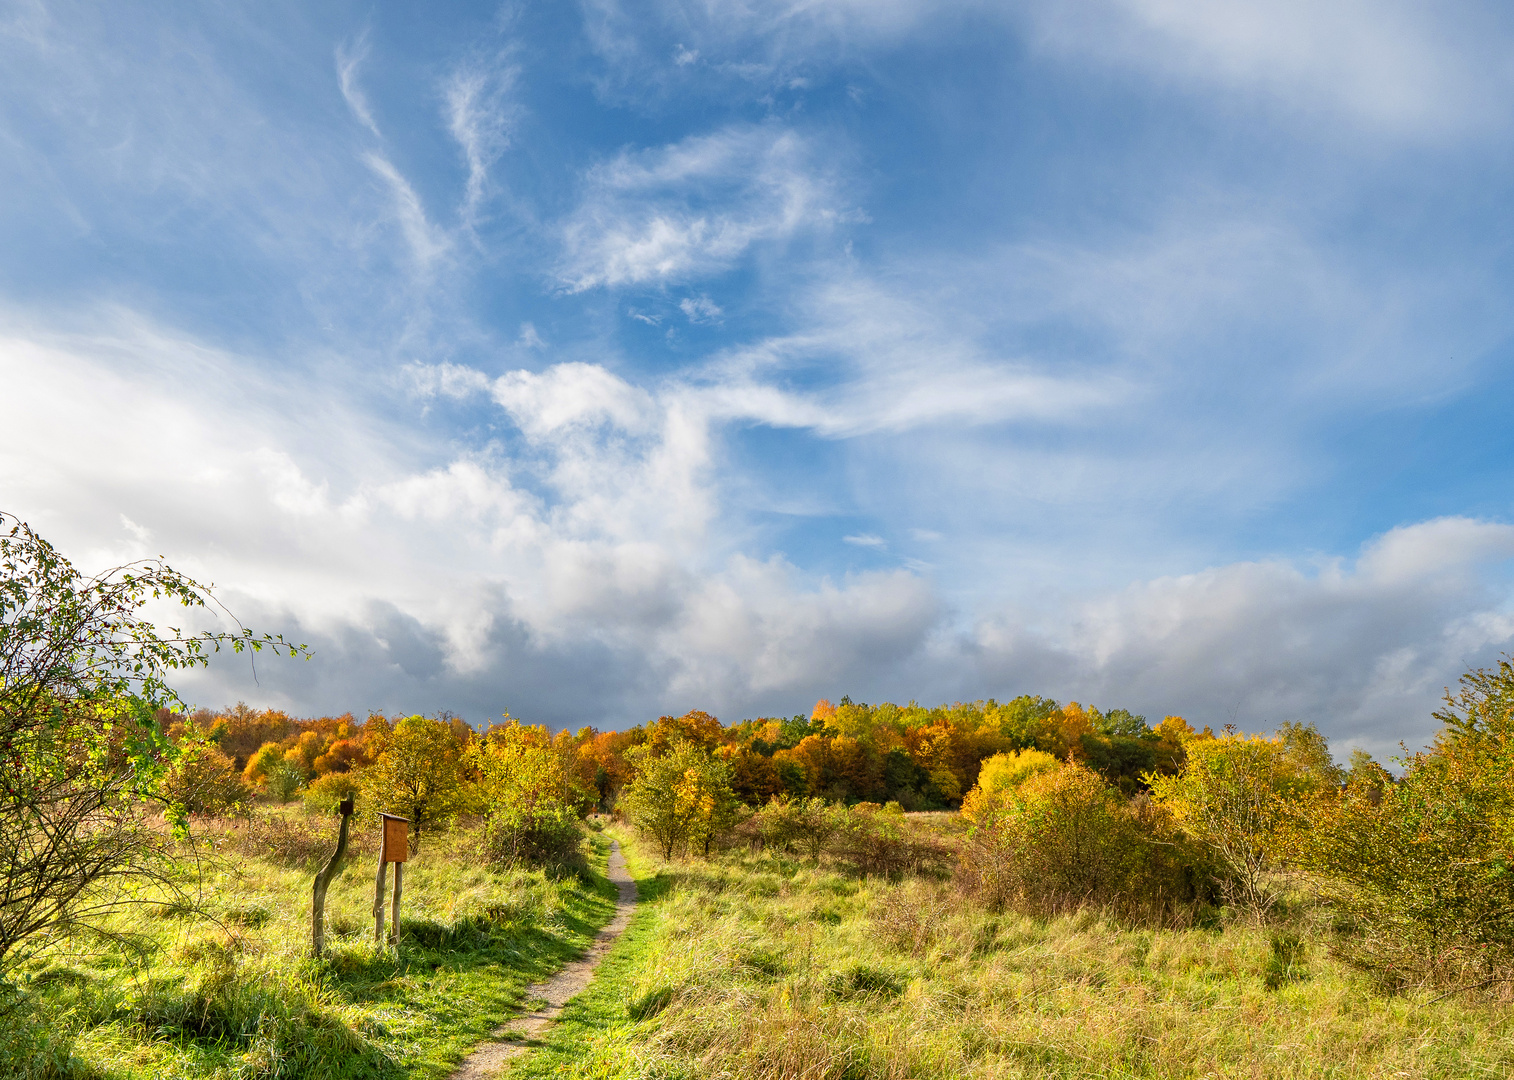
x,y
417,774
82,676
677,796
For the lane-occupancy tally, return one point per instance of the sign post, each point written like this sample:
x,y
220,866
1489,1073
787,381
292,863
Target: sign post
x,y
395,849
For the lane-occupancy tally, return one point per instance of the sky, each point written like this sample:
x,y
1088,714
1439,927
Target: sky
x,y
606,360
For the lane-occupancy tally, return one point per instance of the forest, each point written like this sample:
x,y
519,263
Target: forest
x,y
1019,888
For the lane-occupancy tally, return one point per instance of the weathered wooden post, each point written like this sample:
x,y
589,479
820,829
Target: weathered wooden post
x,y
394,849
323,882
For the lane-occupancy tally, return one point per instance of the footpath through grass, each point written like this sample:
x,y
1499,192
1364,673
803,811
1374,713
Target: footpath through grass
x,y
225,989
772,967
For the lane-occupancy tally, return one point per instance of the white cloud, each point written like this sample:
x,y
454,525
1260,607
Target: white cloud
x,y
896,363
1362,651
349,58
572,395
700,309
865,540
594,579
445,380
1391,65
481,119
695,207
426,242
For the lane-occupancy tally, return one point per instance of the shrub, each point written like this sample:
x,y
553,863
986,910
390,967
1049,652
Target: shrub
x,y
1422,870
1238,796
875,839
1067,839
784,824
294,841
325,793
284,780
1001,776
201,779
541,837
532,796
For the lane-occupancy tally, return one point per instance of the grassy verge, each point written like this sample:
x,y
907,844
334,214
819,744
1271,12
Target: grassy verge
x,y
769,967
224,988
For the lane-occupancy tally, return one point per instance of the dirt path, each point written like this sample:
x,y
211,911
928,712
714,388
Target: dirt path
x,y
490,1058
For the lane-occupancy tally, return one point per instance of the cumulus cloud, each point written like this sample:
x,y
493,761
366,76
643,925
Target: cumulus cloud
x,y
695,207
1363,650
593,580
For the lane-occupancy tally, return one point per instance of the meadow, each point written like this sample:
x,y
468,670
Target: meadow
x,y
214,978
760,965
745,964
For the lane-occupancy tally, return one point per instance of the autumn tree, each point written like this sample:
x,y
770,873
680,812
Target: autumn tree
x,y
676,796
705,790
417,774
1421,866
533,793
1237,794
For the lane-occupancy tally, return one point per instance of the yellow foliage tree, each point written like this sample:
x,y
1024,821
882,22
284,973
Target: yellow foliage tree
x,y
417,774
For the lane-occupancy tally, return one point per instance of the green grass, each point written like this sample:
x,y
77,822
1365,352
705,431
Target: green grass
x,y
229,991
746,966
768,967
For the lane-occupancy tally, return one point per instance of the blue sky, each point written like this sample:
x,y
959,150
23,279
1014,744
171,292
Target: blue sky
x,y
595,361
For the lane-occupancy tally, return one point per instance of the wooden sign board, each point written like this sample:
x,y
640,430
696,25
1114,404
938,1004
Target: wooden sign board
x,y
396,838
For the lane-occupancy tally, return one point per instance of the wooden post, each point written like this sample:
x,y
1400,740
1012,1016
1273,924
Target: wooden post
x,y
323,882
394,847
399,887
378,901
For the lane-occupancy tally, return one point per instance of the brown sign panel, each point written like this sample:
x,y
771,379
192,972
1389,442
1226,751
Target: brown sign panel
x,y
396,838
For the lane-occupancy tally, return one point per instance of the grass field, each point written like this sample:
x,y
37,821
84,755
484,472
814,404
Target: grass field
x,y
761,966
743,966
224,987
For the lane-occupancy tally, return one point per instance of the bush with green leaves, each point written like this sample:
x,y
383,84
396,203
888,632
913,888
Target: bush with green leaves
x,y
1421,870
82,753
